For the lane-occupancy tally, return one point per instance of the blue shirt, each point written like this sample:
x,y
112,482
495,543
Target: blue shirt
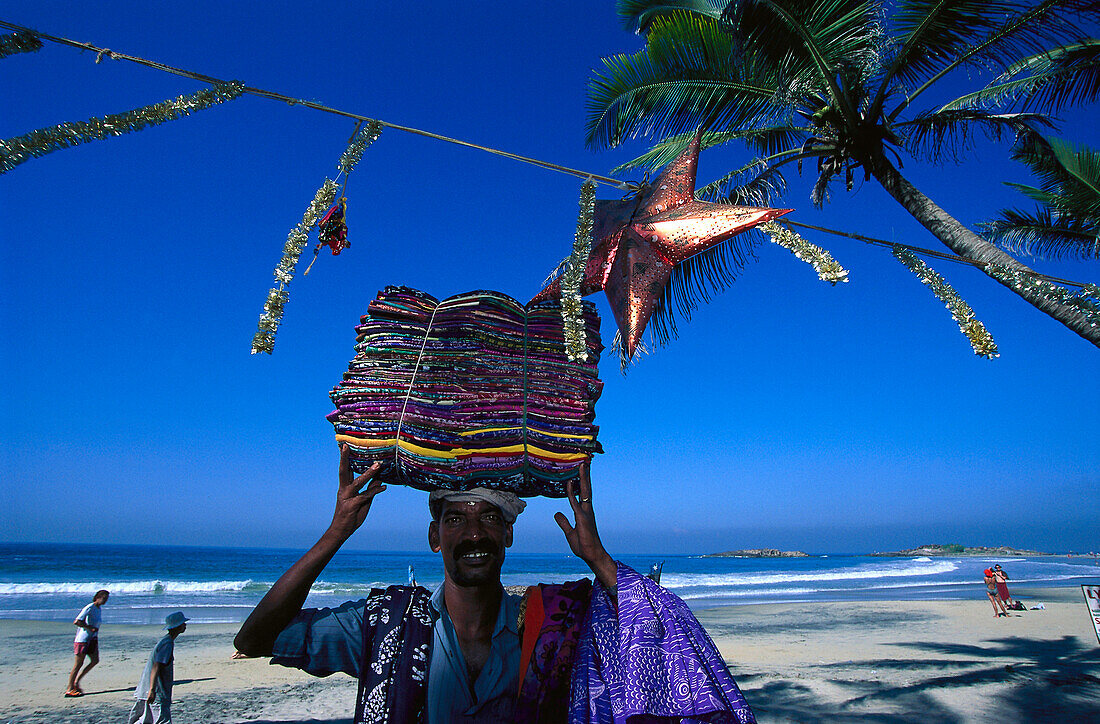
x,y
494,693
326,640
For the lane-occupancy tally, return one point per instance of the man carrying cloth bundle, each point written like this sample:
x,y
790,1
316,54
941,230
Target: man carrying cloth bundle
x,y
471,652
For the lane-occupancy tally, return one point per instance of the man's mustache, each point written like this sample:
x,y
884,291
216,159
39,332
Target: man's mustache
x,y
478,546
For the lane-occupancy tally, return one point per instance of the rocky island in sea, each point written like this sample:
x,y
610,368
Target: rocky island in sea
x,y
957,549
758,553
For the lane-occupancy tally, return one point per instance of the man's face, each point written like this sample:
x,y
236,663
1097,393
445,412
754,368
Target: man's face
x,y
471,538
100,600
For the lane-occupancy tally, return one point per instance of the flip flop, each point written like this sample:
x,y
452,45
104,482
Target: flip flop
x,y
73,693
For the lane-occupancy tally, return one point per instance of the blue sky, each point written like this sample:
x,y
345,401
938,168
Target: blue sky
x,y
788,414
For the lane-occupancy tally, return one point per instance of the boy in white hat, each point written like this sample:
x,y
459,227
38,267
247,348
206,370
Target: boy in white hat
x,y
154,692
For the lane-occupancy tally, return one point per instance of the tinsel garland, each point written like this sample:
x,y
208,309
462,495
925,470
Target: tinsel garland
x,y
21,42
354,152
1086,300
277,296
975,331
20,149
572,313
296,240
827,268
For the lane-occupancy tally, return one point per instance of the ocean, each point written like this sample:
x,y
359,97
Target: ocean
x,y
221,585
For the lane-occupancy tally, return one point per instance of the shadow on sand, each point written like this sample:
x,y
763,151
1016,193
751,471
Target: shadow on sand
x,y
1048,681
299,721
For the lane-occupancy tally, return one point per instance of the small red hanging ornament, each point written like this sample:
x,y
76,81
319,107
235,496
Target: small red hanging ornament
x,y
333,229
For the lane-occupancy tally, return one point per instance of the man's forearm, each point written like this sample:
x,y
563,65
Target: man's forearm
x,y
283,602
606,570
154,673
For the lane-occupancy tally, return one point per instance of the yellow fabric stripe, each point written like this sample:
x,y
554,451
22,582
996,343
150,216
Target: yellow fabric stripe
x,y
458,452
567,435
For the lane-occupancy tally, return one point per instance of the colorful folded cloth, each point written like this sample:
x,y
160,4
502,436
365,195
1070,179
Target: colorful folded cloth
x,y
475,390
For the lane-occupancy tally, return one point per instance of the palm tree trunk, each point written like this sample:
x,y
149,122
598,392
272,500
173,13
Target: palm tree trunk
x,y
966,243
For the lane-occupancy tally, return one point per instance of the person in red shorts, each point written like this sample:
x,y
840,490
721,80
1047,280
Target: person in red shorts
x,y
87,641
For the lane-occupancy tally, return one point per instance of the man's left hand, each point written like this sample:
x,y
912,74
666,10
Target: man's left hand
x,y
582,536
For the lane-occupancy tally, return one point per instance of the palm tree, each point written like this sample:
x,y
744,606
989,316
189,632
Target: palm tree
x,y
838,82
1067,222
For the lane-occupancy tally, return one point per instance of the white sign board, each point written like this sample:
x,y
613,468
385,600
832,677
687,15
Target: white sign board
x,y
1092,598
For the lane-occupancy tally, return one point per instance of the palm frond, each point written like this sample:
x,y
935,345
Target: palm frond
x,y
638,14
766,141
819,194
934,33
1069,175
810,41
663,152
1067,75
1003,32
944,135
689,74
763,183
1082,167
1044,235
697,279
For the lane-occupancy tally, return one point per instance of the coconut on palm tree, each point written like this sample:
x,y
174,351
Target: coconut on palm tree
x,y
844,85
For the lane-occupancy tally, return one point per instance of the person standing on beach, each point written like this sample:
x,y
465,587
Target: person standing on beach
x,y
86,644
991,591
474,652
154,691
1001,579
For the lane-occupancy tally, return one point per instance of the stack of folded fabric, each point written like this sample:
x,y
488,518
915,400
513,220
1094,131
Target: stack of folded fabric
x,y
475,390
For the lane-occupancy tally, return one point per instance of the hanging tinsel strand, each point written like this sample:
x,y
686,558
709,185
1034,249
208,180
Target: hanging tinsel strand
x,y
277,296
362,140
975,331
572,311
264,339
827,268
20,149
1086,300
21,42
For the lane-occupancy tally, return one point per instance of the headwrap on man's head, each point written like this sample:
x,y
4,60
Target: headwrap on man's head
x,y
509,503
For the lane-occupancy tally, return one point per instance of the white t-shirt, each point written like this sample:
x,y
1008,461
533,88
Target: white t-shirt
x,y
91,615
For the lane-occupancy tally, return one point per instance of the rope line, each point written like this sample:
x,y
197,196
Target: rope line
x,y
526,460
408,393
929,252
617,183
273,95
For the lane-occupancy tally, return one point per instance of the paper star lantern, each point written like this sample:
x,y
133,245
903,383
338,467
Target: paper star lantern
x,y
640,240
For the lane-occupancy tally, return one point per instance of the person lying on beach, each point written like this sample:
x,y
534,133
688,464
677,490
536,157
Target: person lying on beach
x,y
991,591
471,651
86,643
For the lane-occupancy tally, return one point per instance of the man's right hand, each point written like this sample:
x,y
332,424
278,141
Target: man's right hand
x,y
283,602
352,500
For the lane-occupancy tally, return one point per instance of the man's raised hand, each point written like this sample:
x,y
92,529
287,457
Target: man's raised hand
x,y
352,499
582,536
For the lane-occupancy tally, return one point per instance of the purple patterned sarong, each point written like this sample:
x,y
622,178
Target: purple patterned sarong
x,y
652,662
553,624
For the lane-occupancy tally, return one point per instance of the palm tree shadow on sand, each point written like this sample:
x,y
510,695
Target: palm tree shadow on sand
x,y
1048,681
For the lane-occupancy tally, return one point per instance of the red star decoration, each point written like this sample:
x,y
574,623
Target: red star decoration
x,y
638,241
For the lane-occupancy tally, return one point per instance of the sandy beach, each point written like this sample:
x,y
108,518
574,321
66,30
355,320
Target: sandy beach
x,y
891,661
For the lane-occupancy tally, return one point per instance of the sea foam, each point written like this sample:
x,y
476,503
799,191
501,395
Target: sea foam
x,y
861,573
122,587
